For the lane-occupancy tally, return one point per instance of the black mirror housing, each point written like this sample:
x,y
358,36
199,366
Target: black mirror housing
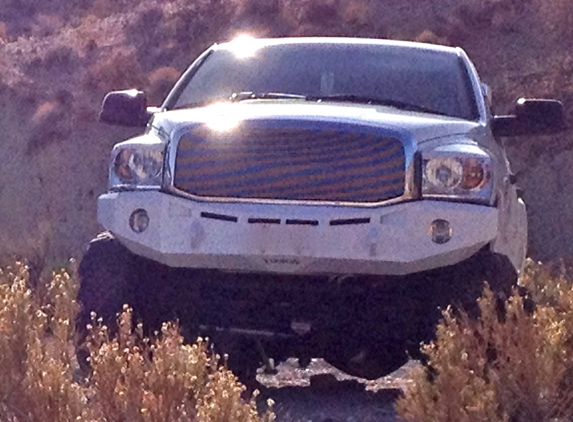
x,y
125,108
531,117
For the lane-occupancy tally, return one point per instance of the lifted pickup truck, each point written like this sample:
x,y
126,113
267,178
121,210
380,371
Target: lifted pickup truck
x,y
311,197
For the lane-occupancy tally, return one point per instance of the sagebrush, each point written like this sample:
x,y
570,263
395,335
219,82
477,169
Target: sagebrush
x,y
130,377
515,365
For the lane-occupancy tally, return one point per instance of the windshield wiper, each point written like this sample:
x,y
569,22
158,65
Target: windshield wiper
x,y
195,104
347,98
248,95
361,99
243,96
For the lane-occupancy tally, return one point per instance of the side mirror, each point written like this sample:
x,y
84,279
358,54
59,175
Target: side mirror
x,y
125,108
531,117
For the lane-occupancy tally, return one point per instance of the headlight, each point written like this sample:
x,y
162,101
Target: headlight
x,y
444,173
458,176
134,166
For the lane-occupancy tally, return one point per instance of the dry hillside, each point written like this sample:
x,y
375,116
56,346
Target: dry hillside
x,y
59,58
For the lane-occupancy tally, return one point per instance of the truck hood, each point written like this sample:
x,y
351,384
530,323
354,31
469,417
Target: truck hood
x,y
419,126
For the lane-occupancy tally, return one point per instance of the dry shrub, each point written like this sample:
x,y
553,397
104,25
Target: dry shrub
x,y
321,13
258,8
131,378
3,32
505,16
90,19
356,12
64,59
36,358
166,380
428,36
44,110
50,123
160,81
517,366
164,73
555,17
105,8
485,17
119,70
331,18
102,8
358,20
46,25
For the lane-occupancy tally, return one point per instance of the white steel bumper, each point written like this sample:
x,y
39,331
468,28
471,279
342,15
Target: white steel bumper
x,y
317,239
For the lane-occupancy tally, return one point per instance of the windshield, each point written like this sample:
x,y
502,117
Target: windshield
x,y
427,79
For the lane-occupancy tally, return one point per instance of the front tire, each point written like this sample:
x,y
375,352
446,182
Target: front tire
x,y
104,272
407,314
111,277
460,287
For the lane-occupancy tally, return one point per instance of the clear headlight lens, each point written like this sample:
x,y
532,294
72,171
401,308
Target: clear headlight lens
x,y
457,176
136,167
444,173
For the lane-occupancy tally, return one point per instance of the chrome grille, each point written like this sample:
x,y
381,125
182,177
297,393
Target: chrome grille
x,y
300,164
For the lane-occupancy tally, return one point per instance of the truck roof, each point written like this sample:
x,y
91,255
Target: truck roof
x,y
265,42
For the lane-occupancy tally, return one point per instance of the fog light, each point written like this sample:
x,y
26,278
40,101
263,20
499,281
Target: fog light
x,y
440,231
139,220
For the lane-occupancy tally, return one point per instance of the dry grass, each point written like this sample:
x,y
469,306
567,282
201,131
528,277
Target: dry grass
x,y
518,367
132,378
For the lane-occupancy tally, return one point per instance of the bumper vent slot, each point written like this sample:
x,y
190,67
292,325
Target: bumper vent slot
x,y
349,221
295,222
264,220
220,217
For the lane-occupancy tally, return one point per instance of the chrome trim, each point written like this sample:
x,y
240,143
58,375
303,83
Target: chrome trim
x,y
131,188
180,85
476,87
412,186
461,199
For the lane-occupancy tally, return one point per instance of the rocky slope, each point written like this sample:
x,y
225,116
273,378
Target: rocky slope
x,y
58,59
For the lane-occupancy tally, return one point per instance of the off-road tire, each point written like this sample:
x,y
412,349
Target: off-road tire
x,y
420,300
111,276
104,271
104,278
465,286
460,289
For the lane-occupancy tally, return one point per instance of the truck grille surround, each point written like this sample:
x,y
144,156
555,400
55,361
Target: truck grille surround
x,y
255,161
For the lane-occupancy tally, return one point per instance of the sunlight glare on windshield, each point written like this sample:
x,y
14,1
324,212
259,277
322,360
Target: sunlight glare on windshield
x,y
244,46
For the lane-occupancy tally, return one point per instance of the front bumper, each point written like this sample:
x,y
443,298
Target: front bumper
x,y
297,239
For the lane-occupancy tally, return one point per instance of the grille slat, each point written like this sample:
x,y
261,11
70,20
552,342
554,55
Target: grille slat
x,y
290,164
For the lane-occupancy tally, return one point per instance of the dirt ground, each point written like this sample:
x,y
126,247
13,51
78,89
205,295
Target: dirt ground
x,y
321,393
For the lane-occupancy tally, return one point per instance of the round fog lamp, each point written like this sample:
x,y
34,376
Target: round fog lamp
x,y
139,220
441,231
